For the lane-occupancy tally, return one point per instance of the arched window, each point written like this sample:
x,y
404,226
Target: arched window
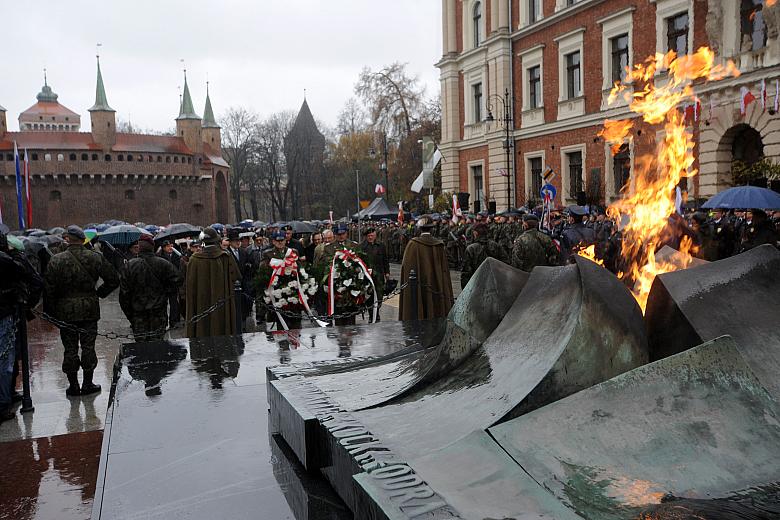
x,y
94,157
72,157
159,158
130,194
107,158
173,195
60,157
477,23
129,158
176,159
55,195
84,157
47,157
168,159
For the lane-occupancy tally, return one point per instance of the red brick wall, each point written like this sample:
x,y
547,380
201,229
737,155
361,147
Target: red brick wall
x,y
643,46
459,26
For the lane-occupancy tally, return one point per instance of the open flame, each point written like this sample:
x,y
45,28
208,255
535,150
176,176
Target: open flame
x,y
649,200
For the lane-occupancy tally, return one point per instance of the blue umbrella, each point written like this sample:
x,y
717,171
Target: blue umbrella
x,y
744,197
122,235
246,224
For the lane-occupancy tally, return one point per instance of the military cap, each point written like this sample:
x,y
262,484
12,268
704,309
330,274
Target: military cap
x,y
530,217
580,211
287,227
76,232
209,236
425,221
164,243
247,234
278,235
340,228
370,230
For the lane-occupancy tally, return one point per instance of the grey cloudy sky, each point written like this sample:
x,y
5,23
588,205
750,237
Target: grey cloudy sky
x,y
260,54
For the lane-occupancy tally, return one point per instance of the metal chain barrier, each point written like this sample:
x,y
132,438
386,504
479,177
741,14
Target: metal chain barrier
x,y
133,337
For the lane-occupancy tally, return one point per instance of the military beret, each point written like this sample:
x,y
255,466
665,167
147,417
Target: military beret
x,y
76,232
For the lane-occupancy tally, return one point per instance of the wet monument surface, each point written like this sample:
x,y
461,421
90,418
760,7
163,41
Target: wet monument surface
x,y
187,432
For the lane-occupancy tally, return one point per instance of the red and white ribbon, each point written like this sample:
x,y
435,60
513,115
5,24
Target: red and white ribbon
x,y
279,267
342,255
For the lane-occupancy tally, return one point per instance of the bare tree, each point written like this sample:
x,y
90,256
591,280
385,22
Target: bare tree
x,y
352,118
392,96
272,166
238,144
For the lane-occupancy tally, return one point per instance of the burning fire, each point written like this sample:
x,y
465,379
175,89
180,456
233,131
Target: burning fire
x,y
649,203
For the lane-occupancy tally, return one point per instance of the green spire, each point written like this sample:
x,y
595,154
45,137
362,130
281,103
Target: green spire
x,y
208,112
101,103
186,110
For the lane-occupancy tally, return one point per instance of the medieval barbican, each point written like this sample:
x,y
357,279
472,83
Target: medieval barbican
x,y
525,87
79,177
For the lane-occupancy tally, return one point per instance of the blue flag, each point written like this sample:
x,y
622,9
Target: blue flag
x,y
19,190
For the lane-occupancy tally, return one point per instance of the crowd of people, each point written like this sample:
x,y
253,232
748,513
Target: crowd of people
x,y
195,279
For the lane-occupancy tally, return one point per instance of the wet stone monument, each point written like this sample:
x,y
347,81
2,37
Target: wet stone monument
x,y
541,396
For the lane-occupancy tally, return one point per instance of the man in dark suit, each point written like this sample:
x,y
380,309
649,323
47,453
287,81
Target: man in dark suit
x,y
244,262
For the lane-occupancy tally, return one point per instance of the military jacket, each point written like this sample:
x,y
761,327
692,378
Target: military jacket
x,y
533,248
71,276
476,253
146,283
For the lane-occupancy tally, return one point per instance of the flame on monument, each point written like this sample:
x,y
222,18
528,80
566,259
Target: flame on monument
x,y
656,90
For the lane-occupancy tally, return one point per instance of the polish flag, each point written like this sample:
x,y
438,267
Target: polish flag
x,y
456,212
746,97
763,94
777,95
379,190
400,212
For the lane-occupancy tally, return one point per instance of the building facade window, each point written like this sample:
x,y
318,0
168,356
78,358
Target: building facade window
x,y
535,87
72,157
752,25
572,167
477,185
173,195
130,194
85,157
94,157
621,168
534,10
55,195
677,33
535,168
619,62
107,157
47,157
573,75
476,91
476,20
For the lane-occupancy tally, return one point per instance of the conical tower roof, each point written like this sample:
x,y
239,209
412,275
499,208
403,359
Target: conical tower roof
x,y
187,110
208,112
101,103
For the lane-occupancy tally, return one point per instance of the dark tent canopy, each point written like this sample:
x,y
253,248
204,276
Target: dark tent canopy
x,y
377,210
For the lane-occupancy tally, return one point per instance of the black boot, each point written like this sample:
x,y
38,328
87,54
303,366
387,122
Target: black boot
x,y
73,389
88,387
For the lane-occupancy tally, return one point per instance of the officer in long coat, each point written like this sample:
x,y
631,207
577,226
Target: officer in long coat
x,y
211,274
146,284
71,296
427,256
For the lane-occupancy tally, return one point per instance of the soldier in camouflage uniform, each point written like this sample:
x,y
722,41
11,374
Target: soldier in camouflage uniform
x,y
533,247
146,283
476,253
71,297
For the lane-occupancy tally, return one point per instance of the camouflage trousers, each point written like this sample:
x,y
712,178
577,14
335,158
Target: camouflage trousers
x,y
73,340
149,325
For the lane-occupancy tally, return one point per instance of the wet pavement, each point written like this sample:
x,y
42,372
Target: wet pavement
x,y
56,416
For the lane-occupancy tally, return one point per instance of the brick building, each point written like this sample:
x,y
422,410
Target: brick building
x,y
80,177
556,61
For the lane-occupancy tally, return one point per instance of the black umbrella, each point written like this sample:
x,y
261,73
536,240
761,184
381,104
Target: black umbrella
x,y
34,232
175,231
302,227
57,231
124,234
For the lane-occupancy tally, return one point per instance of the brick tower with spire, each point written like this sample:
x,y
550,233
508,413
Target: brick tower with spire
x,y
188,124
211,131
103,117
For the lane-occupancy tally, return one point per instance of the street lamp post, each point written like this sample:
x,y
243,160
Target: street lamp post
x,y
506,121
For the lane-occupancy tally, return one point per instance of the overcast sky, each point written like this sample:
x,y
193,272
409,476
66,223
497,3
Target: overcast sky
x,y
261,54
